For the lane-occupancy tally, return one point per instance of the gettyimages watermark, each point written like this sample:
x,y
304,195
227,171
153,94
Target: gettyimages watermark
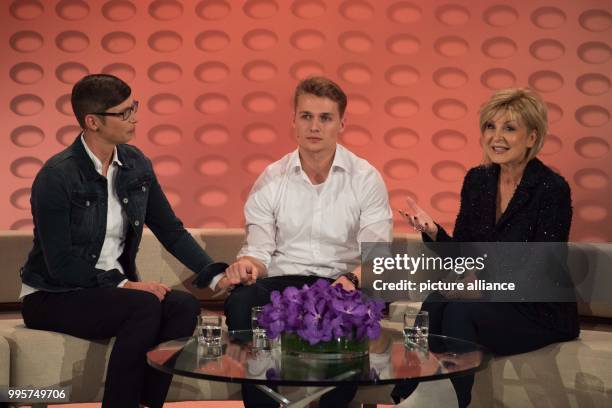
x,y
488,271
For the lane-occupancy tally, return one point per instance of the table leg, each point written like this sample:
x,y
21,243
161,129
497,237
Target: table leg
x,y
285,403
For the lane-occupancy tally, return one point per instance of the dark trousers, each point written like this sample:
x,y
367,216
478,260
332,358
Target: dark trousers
x,y
137,319
238,317
500,327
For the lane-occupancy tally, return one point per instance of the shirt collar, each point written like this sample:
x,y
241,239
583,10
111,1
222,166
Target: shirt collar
x,y
340,159
97,163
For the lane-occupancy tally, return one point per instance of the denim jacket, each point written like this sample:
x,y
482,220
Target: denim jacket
x,y
69,200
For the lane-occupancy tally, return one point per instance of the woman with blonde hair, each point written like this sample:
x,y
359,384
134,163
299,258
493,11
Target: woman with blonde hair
x,y
511,197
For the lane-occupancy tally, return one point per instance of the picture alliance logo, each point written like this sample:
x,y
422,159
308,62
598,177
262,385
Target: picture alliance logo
x,y
412,264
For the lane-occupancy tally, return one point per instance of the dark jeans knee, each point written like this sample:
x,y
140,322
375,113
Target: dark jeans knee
x,y
239,303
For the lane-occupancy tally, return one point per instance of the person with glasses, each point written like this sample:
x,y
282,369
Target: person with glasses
x,y
90,203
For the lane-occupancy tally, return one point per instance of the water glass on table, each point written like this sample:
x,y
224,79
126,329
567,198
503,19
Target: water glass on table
x,y
258,330
416,327
209,330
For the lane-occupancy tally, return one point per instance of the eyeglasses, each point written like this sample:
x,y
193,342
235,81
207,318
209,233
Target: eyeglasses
x,y
124,114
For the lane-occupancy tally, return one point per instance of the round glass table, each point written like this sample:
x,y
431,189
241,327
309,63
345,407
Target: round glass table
x,y
241,358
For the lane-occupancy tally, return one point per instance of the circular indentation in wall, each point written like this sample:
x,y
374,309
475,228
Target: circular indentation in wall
x,y
591,179
212,103
124,71
213,9
592,147
452,15
552,145
358,105
213,222
118,42
355,41
401,169
403,44
449,140
547,49
401,138
449,109
450,77
259,40
498,78
308,9
448,171
25,224
173,196
499,47
212,134
27,105
26,167
446,202
167,166
118,10
256,164
304,69
355,73
72,41
72,10
548,17
165,72
212,40
71,72
165,10
594,52
307,40
211,72
404,12
63,105
401,107
402,75
500,16
555,113
545,81
165,41
259,9
27,136
259,71
451,46
356,10
66,134
592,116
591,211
26,9
593,84
26,73
596,20
26,41
260,133
212,166
165,135
165,104
259,102
21,198
355,136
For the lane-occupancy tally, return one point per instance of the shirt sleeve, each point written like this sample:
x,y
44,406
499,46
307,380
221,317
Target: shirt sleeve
x,y
375,221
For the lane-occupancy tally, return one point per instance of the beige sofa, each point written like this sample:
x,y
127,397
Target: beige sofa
x,y
573,374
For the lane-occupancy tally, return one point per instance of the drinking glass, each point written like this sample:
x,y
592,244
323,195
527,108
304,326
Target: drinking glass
x,y
209,330
258,330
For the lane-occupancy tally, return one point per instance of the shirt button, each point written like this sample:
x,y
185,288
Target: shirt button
x,y
136,223
144,188
87,203
125,200
93,256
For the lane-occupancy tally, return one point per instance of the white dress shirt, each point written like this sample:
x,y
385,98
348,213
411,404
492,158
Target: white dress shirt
x,y
116,222
296,228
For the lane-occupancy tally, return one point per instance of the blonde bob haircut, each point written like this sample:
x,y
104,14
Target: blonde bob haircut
x,y
520,104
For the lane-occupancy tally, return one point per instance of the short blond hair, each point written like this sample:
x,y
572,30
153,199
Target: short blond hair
x,y
521,104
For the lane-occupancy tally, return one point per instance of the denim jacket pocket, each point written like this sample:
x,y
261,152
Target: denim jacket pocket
x,y
138,194
84,208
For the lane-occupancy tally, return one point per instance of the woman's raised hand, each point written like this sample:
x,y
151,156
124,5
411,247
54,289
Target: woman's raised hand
x,y
419,219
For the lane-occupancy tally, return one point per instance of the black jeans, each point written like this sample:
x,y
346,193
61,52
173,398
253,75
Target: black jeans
x,y
137,319
500,327
238,317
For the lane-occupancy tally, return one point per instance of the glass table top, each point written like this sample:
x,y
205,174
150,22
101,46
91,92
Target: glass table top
x,y
242,359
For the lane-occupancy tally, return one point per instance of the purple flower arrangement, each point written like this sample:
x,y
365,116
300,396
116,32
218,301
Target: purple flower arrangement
x,y
322,312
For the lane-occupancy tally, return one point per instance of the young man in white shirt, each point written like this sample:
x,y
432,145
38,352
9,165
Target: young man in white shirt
x,y
306,217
